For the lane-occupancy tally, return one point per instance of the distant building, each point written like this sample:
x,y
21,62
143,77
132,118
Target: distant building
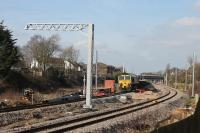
x,y
58,63
105,70
152,77
20,67
102,69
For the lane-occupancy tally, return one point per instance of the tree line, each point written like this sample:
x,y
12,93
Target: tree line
x,y
43,49
183,76
38,47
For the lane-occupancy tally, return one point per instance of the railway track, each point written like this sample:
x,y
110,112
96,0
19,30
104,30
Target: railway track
x,y
18,108
22,107
94,118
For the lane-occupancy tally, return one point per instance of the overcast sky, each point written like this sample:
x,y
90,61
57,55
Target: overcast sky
x,y
144,35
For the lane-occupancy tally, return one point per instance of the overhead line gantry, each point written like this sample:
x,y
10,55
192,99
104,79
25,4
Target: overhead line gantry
x,y
69,27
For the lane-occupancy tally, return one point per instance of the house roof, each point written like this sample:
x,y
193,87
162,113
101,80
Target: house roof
x,y
55,61
62,61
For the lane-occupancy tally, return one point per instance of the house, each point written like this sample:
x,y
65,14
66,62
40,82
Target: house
x,y
20,67
73,66
101,69
105,70
58,63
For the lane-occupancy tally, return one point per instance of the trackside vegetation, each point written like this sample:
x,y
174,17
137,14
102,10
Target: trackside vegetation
x,y
188,125
9,54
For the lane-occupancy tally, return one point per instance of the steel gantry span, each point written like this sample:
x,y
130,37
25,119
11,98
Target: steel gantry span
x,y
73,27
56,26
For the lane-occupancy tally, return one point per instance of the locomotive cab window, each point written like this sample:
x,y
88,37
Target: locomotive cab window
x,y
121,77
127,77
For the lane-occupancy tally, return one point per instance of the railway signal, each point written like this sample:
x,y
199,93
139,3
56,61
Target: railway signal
x,y
73,27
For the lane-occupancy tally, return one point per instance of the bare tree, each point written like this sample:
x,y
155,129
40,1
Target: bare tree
x,y
41,48
27,56
70,53
190,60
167,68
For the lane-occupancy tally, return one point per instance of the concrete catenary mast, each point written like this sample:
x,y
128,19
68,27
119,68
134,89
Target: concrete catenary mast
x,y
73,27
96,80
193,75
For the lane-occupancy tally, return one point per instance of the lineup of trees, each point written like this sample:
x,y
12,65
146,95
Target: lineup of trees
x,y
184,76
38,47
42,49
9,53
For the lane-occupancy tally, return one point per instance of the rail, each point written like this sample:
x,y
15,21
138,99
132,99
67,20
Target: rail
x,y
94,118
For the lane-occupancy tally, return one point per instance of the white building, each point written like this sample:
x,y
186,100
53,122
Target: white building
x,y
58,63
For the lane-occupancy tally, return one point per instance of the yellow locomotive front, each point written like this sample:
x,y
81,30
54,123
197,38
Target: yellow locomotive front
x,y
125,82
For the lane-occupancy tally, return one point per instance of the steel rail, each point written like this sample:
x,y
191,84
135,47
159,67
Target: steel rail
x,y
121,111
18,108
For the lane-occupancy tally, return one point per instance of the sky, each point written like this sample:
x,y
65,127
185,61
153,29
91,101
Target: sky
x,y
144,35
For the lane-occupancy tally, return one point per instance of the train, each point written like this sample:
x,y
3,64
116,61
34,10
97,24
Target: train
x,y
126,83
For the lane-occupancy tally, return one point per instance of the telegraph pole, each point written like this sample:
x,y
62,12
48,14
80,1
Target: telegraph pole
x,y
166,79
176,78
96,80
186,79
193,75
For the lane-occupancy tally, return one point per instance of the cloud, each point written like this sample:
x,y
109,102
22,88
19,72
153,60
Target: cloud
x,y
182,32
171,42
197,4
188,21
